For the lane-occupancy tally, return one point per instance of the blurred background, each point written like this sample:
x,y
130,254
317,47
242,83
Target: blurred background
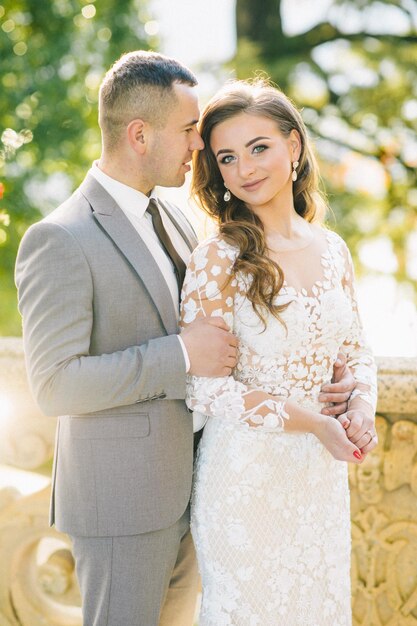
x,y
351,65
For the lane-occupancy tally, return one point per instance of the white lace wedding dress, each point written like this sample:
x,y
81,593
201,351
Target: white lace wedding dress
x,y
270,509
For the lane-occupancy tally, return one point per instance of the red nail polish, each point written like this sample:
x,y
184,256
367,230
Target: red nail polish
x,y
357,455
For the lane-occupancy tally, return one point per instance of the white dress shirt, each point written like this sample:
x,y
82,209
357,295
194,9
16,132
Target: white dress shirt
x,y
133,203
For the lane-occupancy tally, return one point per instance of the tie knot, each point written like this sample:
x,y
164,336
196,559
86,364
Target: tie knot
x,y
153,207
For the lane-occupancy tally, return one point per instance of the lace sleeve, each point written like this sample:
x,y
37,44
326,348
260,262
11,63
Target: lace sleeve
x,y
209,290
359,355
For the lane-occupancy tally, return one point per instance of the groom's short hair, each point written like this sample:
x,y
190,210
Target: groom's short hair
x,y
139,85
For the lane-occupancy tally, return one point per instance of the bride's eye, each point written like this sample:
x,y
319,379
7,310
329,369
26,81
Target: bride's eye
x,y
226,159
260,148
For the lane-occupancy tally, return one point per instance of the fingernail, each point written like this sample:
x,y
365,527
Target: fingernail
x,y
338,362
357,455
322,398
325,389
346,424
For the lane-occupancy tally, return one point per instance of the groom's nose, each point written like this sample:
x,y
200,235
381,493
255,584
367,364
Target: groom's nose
x,y
197,142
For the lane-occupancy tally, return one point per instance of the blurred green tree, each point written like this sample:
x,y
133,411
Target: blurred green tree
x,y
351,65
53,56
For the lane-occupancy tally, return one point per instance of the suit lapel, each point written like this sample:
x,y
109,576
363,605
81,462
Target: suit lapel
x,y
117,226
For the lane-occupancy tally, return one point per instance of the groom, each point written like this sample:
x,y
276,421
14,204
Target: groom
x,y
99,282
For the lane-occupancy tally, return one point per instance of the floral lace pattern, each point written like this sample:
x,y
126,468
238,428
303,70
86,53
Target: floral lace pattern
x,y
270,515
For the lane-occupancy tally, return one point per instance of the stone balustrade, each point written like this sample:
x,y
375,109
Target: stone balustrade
x,y
384,506
37,580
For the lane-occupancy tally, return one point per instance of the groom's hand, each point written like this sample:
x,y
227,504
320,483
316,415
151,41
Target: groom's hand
x,y
211,347
339,390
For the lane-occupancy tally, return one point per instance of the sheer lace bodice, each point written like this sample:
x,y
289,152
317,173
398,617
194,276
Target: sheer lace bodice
x,y
291,358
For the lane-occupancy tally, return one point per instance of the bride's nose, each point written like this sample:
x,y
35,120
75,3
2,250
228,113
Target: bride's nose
x,y
246,166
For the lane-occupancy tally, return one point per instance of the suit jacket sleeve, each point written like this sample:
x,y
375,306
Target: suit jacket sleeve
x,y
55,288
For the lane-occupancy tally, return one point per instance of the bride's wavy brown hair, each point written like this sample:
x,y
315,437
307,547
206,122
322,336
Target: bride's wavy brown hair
x,y
238,225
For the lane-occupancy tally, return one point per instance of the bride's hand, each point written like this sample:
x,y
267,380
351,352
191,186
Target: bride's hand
x,y
360,429
333,436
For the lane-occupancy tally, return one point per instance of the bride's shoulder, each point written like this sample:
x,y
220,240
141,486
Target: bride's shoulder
x,y
216,248
333,238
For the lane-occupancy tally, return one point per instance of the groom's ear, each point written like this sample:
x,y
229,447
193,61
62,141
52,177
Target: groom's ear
x,y
137,134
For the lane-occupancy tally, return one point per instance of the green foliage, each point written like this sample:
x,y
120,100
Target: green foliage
x,y
53,55
353,71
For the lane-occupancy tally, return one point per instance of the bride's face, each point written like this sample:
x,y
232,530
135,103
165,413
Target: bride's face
x,y
254,158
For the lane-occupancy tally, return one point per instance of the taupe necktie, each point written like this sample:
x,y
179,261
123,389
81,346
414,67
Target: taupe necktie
x,y
179,265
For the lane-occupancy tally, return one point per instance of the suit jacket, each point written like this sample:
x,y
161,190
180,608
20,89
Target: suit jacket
x,y
99,330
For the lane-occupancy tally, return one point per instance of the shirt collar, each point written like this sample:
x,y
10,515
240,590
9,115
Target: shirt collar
x,y
129,200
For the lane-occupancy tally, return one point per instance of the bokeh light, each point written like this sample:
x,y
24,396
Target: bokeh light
x,y
151,27
20,48
88,11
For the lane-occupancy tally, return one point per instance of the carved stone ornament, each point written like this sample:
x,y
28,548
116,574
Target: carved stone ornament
x,y
384,506
37,577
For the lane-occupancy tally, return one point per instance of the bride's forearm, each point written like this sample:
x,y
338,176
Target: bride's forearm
x,y
301,419
293,416
228,399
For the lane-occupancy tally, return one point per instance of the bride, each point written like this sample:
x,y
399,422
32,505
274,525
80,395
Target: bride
x,y
270,508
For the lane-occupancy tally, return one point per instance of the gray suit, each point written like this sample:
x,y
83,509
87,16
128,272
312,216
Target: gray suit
x,y
99,331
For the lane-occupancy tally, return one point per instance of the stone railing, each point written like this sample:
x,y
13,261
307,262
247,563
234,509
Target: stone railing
x,y
384,506
37,580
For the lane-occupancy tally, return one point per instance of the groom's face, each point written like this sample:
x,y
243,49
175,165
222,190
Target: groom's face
x,y
173,145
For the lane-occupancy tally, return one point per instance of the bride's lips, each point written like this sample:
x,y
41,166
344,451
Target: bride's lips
x,y
253,186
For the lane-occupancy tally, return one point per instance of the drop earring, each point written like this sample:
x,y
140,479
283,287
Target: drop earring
x,y
294,174
227,195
